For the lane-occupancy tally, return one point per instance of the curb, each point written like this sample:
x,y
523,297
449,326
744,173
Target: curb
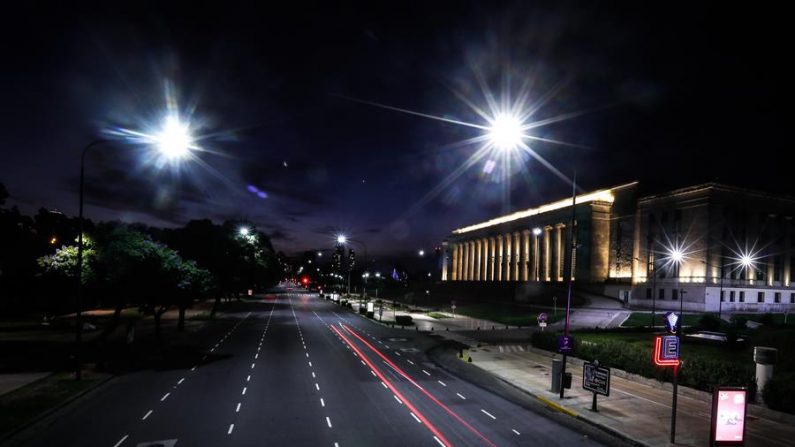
x,y
49,412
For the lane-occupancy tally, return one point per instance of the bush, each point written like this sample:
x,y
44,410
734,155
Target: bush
x,y
779,393
767,319
697,371
709,322
404,320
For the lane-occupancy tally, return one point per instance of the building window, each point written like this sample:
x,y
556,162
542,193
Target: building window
x,y
674,294
792,298
742,296
723,295
777,297
760,297
731,296
648,294
661,295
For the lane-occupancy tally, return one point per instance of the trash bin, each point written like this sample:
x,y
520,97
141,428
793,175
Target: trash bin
x,y
557,368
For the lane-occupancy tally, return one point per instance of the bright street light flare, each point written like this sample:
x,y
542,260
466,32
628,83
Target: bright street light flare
x,y
505,132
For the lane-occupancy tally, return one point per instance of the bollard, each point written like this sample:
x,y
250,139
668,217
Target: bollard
x,y
447,328
470,359
431,327
492,327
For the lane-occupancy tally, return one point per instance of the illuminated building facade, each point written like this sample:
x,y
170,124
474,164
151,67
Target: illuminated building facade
x,y
623,239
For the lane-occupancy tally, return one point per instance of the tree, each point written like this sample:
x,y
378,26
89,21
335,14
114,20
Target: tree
x,y
3,194
64,261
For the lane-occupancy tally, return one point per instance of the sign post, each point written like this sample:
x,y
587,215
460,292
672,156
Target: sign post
x,y
596,379
666,353
542,320
729,406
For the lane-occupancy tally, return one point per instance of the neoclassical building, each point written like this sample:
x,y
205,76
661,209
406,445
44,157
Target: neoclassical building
x,y
624,243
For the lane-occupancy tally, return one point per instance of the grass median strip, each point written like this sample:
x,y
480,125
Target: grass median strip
x,y
25,404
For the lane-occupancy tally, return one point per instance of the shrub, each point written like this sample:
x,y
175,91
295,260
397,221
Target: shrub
x,y
404,320
709,322
767,319
779,393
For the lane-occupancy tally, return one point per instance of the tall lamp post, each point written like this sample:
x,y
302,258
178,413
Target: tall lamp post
x,y
537,234
676,256
570,276
173,142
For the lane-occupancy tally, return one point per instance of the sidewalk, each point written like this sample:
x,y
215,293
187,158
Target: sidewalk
x,y
637,408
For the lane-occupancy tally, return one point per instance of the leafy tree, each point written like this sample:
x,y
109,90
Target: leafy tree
x,y
64,261
3,194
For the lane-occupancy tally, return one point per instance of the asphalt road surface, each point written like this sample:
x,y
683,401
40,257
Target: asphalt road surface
x,y
296,370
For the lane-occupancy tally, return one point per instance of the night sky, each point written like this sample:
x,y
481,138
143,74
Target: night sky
x,y
670,95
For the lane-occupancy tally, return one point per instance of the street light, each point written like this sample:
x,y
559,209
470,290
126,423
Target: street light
x,y
341,239
243,231
505,132
675,257
173,142
421,253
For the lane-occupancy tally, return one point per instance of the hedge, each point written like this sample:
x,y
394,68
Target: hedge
x,y
697,371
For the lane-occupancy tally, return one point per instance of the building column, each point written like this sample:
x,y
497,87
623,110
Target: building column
x,y
447,256
506,257
547,254
465,259
454,271
460,266
561,254
484,259
535,269
478,248
498,258
492,254
517,249
525,255
471,265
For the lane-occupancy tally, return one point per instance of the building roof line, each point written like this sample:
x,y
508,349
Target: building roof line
x,y
605,194
716,186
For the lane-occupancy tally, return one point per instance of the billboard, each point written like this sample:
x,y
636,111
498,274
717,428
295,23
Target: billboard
x,y
728,416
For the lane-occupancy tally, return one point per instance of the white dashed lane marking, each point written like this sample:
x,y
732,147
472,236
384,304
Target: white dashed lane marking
x,y
121,441
488,414
146,415
165,396
415,417
514,430
231,427
328,421
461,396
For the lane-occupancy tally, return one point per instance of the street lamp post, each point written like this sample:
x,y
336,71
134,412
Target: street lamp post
x,y
537,234
570,275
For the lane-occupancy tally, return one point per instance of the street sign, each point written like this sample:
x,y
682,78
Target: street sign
x,y
729,407
595,378
542,324
565,344
671,322
542,317
666,350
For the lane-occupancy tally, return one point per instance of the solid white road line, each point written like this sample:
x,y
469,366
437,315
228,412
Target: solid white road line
x,y
124,438
237,410
488,414
440,442
328,421
514,430
441,383
461,396
231,427
322,402
146,415
165,396
415,417
426,372
398,399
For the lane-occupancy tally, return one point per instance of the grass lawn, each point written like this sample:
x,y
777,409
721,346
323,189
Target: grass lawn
x,y
513,315
24,404
778,318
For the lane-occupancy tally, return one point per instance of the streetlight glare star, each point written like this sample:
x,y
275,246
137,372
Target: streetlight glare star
x,y
243,231
506,132
174,140
341,239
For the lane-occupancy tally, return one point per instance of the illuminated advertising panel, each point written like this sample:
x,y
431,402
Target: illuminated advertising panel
x,y
728,416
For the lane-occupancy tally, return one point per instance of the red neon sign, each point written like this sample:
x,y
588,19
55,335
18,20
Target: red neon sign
x,y
665,353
